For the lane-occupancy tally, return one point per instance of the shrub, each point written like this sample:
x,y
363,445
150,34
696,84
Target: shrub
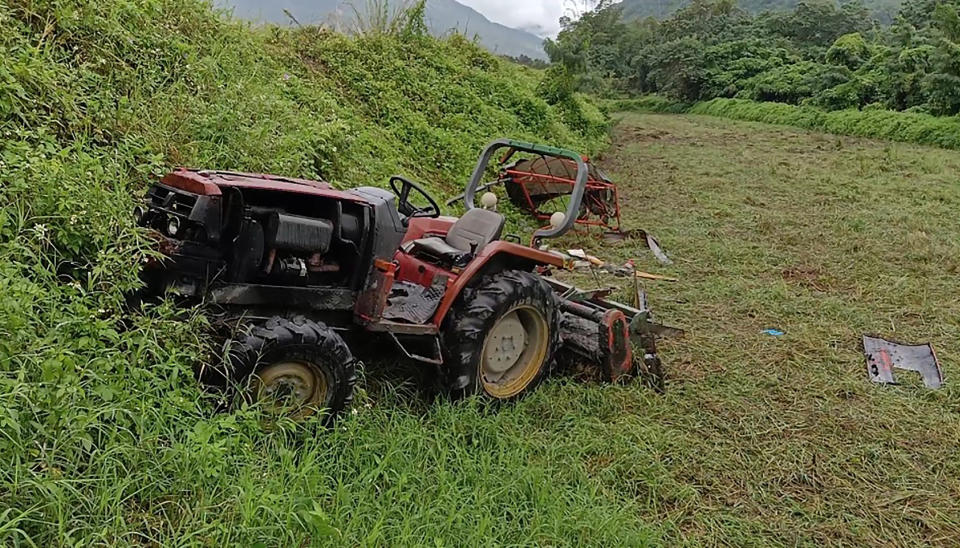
x,y
850,50
882,124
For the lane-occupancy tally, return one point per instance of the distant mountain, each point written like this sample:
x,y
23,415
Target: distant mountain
x,y
442,16
884,10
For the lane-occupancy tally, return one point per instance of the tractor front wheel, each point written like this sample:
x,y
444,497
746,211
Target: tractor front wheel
x,y
501,336
297,368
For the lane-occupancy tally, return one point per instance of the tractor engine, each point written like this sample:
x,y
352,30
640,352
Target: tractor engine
x,y
249,236
277,248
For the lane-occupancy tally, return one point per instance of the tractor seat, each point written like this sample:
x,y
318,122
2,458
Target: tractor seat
x,y
467,237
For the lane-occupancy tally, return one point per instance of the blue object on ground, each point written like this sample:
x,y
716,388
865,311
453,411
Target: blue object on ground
x,y
773,332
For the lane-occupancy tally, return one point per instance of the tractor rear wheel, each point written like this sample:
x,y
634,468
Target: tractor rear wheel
x,y
501,336
296,368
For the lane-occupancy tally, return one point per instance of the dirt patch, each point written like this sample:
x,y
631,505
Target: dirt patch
x,y
641,135
807,276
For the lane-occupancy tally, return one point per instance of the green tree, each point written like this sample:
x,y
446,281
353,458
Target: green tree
x,y
943,83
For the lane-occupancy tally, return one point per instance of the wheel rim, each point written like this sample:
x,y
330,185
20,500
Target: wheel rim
x,y
514,351
293,388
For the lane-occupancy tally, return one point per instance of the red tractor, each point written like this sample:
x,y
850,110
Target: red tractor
x,y
305,266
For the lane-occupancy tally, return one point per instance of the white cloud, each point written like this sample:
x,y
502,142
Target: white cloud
x,y
539,16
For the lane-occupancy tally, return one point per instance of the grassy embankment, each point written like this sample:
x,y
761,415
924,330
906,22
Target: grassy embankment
x,y
103,435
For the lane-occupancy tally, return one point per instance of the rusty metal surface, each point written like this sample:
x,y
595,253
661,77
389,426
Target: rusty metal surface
x,y
495,251
398,328
884,356
210,183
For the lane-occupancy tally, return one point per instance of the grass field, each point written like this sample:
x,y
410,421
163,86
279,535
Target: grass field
x,y
763,439
758,440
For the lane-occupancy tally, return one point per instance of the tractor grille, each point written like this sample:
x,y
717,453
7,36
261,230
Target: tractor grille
x,y
168,200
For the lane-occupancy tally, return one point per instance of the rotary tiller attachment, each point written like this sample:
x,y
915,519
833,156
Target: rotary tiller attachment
x,y
596,331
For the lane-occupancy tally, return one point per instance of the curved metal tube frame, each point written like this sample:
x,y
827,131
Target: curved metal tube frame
x,y
576,197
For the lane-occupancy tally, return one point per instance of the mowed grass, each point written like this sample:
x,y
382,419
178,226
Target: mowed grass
x,y
764,439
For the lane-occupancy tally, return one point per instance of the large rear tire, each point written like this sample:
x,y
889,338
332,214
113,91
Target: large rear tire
x,y
298,368
500,337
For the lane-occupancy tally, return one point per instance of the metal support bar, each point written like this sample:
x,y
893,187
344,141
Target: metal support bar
x,y
433,361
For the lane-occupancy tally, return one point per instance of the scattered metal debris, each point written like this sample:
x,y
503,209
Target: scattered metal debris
x,y
883,355
623,271
612,236
651,241
629,268
654,246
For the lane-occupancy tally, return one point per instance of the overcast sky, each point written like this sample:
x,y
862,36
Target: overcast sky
x,y
539,16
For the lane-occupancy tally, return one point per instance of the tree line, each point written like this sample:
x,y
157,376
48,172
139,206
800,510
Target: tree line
x,y
822,54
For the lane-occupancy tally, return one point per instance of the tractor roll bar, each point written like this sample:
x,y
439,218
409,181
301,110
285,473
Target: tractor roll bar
x,y
573,210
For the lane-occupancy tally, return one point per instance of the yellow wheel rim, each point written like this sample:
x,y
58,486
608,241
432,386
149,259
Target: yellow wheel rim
x,y
514,351
293,388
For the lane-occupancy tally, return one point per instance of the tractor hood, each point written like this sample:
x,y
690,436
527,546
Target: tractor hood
x,y
210,183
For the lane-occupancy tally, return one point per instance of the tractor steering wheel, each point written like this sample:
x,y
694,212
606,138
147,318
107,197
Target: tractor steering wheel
x,y
402,186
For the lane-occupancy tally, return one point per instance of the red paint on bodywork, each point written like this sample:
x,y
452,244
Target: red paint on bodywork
x,y
417,271
186,180
421,227
209,183
494,250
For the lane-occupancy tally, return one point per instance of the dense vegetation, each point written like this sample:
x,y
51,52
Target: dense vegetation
x,y
819,55
884,11
104,436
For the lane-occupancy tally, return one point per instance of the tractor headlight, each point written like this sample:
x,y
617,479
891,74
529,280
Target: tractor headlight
x,y
173,226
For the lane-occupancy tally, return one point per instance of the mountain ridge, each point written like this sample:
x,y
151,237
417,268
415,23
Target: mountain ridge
x,y
442,16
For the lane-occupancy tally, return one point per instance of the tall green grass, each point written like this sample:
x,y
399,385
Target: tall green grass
x,y
104,436
909,127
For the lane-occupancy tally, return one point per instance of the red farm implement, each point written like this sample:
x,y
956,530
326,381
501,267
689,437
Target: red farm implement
x,y
543,184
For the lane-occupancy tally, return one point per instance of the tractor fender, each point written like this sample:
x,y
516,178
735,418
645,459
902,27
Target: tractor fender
x,y
496,256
